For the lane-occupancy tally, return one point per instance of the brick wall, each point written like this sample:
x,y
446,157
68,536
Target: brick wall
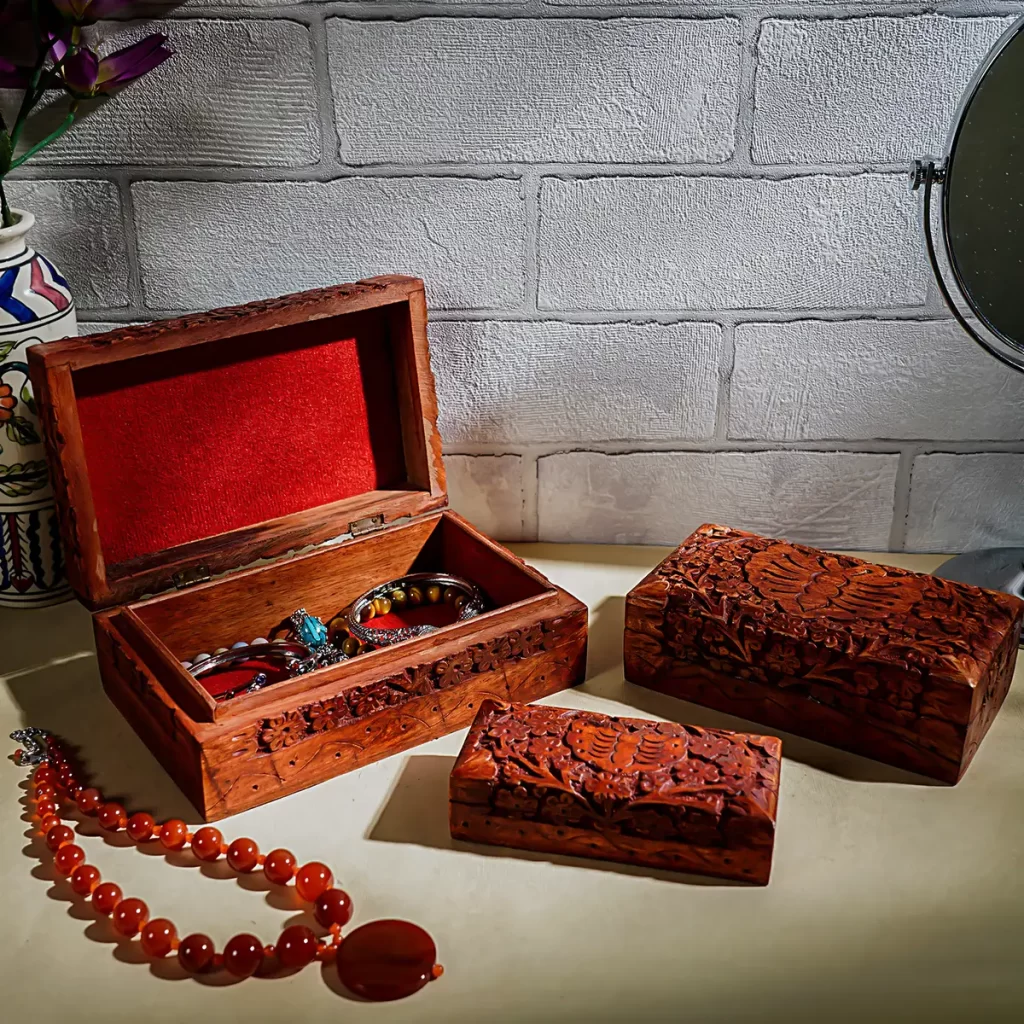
x,y
674,269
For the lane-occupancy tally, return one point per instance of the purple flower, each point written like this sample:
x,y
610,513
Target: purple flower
x,y
85,12
87,74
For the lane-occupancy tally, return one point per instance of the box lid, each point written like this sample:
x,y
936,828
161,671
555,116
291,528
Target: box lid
x,y
900,647
194,446
656,780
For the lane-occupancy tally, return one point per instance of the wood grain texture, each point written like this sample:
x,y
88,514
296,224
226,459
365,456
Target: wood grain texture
x,y
624,789
401,304
906,668
260,746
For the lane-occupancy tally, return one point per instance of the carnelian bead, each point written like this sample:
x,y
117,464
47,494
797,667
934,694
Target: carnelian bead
x,y
296,947
59,836
113,817
207,843
312,879
45,808
280,866
89,801
243,855
242,955
45,792
386,960
66,778
333,907
141,826
50,821
67,858
158,937
106,896
44,773
130,915
84,879
174,834
195,953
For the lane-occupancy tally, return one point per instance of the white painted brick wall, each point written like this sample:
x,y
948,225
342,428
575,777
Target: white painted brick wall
x,y
863,90
444,90
863,379
205,244
673,267
259,76
537,383
965,501
722,243
827,498
488,491
91,250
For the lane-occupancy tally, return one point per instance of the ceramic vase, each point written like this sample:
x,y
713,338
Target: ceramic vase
x,y
35,306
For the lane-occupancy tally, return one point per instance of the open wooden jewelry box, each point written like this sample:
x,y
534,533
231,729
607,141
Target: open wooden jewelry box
x,y
191,447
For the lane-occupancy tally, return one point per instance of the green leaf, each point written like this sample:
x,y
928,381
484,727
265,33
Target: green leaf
x,y
7,347
21,431
6,152
28,398
22,478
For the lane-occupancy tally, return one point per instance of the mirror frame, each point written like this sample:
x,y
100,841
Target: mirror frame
x,y
1005,349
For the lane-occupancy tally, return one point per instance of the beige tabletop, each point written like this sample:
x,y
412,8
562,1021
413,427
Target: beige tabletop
x,y
891,898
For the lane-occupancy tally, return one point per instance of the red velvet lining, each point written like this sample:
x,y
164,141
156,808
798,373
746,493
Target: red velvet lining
x,y
199,441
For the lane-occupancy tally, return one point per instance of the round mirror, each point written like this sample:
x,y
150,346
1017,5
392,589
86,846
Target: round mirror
x,y
982,231
983,199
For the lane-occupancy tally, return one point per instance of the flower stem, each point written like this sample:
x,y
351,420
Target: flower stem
x,y
52,137
32,96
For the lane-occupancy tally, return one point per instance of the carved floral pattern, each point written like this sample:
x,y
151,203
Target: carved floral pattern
x,y
868,638
274,733
654,780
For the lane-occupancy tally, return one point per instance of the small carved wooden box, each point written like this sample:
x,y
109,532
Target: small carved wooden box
x,y
902,667
195,447
623,789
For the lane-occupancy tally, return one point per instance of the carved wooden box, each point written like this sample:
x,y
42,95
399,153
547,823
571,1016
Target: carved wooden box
x,y
902,667
623,789
198,446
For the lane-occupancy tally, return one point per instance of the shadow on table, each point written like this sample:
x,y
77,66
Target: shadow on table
x,y
68,699
605,680
32,638
416,812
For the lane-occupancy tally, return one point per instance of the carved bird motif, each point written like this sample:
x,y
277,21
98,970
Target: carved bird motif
x,y
810,583
613,750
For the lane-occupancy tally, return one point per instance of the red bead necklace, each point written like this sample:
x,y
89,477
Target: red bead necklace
x,y
380,960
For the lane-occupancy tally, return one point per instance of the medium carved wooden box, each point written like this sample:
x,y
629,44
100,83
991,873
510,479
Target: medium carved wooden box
x,y
623,789
198,446
902,667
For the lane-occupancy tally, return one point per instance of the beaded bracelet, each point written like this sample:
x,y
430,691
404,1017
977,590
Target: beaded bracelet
x,y
410,591
384,959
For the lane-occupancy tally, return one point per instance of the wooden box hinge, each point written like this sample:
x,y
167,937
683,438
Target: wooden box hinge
x,y
190,577
367,525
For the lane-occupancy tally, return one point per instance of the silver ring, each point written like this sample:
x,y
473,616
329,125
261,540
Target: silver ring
x,y
474,605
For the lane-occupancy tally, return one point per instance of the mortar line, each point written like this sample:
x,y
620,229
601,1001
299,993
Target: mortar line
x,y
723,403
324,96
136,297
530,184
901,500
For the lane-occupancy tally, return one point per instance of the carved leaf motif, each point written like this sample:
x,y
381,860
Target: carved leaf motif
x,y
612,749
807,583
